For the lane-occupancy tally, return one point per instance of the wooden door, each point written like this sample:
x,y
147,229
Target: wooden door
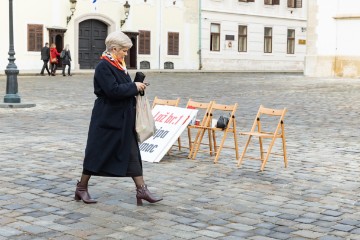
x,y
92,35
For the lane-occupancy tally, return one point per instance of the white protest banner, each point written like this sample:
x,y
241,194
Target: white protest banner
x,y
170,122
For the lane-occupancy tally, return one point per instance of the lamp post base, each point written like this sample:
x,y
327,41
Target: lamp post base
x,y
17,105
12,98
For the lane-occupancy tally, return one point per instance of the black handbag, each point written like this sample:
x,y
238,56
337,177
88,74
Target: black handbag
x,y
139,77
222,122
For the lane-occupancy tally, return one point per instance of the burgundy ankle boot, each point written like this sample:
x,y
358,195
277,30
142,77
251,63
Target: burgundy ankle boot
x,y
81,193
142,192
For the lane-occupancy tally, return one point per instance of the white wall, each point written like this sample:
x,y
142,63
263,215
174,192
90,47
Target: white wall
x,y
230,14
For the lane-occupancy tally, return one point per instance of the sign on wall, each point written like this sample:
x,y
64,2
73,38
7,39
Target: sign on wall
x,y
170,122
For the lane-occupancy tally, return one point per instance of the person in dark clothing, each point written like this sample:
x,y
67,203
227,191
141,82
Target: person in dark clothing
x,y
45,55
112,149
66,60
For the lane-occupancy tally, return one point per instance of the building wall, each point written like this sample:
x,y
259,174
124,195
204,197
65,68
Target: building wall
x,y
335,47
161,17
230,14
157,16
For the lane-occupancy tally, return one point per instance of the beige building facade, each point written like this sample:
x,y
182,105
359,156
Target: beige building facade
x,y
333,39
234,35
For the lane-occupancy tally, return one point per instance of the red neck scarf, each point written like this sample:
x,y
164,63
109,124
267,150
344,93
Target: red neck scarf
x,y
113,60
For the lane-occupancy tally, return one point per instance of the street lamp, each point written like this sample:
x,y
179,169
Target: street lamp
x,y
126,10
11,69
72,9
12,99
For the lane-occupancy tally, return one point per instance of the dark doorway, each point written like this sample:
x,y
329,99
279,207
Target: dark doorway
x,y
92,35
131,58
56,35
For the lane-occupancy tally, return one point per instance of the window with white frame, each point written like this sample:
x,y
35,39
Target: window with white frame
x,y
295,3
291,41
215,37
272,2
242,39
268,40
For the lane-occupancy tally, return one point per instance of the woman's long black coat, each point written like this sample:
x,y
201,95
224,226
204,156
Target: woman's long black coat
x,y
112,125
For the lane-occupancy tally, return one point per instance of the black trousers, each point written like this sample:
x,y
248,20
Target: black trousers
x,y
45,66
53,68
63,68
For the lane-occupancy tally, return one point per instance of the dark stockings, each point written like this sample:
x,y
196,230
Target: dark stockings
x,y
139,180
85,180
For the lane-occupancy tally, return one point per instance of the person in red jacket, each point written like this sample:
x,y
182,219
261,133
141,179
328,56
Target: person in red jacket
x,y
54,54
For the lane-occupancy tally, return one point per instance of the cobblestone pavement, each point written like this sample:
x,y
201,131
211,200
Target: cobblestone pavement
x,y
316,197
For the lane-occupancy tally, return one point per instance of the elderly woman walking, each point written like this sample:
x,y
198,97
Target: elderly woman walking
x,y
112,149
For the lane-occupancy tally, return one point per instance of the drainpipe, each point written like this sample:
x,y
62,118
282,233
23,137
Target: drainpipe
x,y
336,40
159,27
199,51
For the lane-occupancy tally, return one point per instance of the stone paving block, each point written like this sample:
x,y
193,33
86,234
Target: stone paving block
x,y
329,237
339,233
356,231
265,225
305,220
185,235
308,234
230,238
332,213
33,229
161,237
279,235
220,229
343,227
9,232
211,234
238,226
261,238
271,214
351,222
200,225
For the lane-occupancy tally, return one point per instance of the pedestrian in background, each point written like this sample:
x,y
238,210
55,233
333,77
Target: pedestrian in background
x,y
66,60
45,55
112,149
54,54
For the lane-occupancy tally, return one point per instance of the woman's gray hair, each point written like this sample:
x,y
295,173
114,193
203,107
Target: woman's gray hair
x,y
117,39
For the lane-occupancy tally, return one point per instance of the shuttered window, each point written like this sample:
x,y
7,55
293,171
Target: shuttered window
x,y
35,37
144,42
173,43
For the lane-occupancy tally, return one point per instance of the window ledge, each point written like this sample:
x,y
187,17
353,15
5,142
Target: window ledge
x,y
347,16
